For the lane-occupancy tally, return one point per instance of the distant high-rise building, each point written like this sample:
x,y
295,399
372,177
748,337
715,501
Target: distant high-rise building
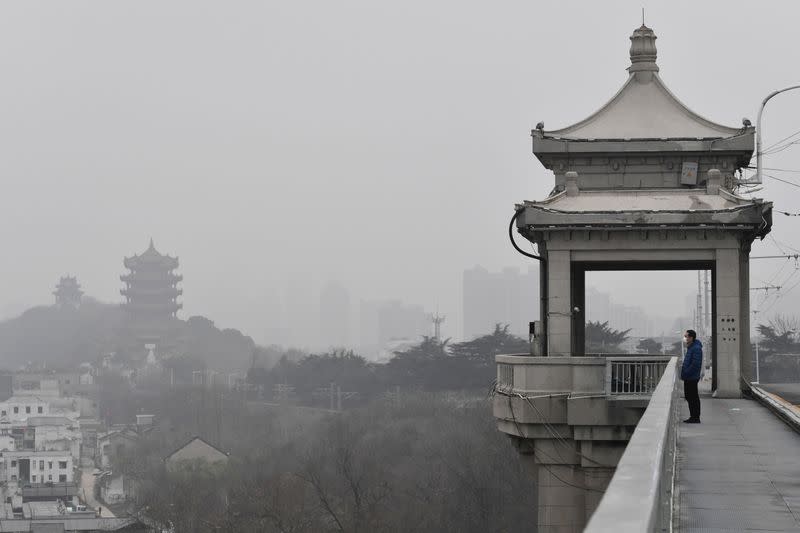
x,y
506,297
151,293
301,312
397,321
68,293
334,314
386,323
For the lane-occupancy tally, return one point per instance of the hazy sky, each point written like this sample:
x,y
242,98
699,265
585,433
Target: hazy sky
x,y
379,144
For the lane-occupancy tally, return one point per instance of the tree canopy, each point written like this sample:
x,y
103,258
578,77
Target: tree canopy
x,y
601,338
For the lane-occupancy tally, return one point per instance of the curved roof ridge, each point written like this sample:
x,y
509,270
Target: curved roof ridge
x,y
644,107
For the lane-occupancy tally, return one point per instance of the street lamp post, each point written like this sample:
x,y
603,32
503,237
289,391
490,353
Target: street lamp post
x,y
758,178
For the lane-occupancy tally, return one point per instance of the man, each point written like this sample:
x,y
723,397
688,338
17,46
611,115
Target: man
x,y
690,374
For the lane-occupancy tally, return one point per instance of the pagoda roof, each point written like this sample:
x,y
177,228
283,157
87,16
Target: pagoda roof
x,y
151,256
644,108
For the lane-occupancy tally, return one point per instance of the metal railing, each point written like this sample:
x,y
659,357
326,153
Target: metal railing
x,y
505,376
634,376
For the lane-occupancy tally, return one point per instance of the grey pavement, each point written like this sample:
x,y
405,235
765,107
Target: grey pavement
x,y
737,471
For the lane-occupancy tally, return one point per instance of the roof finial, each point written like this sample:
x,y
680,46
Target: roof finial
x,y
152,246
642,16
643,50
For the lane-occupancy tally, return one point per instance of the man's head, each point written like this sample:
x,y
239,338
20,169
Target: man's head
x,y
690,336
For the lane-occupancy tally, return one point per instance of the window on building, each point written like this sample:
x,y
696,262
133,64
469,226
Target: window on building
x,y
28,409
41,465
3,413
62,465
16,410
39,409
13,477
33,478
50,465
49,477
62,478
13,464
66,381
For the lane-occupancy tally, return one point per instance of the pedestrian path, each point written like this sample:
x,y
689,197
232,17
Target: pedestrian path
x,y
737,471
88,480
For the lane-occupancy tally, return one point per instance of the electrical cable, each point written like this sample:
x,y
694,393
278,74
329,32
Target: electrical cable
x,y
773,145
792,248
781,170
511,236
793,184
545,465
547,425
780,294
780,148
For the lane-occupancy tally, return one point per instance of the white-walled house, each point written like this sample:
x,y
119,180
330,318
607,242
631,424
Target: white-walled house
x,y
26,466
195,450
20,408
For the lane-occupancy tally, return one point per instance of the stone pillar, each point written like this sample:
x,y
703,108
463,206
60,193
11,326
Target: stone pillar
x,y
745,348
596,479
562,499
559,299
728,328
568,491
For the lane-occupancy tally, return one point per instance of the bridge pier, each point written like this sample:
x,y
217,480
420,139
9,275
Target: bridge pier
x,y
568,494
570,438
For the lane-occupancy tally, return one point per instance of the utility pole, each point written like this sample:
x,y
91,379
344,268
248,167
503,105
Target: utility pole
x,y
759,152
707,316
758,376
699,310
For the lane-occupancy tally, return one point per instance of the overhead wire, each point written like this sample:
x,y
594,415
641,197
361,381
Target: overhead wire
x,y
541,463
779,295
793,184
780,141
791,171
780,148
551,429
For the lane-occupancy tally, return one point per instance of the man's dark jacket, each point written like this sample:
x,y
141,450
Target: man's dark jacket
x,y
692,362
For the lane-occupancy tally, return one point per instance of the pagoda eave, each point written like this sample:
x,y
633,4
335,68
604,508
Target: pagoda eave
x,y
742,145
140,262
655,209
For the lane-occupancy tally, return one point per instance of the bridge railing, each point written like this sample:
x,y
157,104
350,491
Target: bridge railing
x,y
634,376
617,375
639,497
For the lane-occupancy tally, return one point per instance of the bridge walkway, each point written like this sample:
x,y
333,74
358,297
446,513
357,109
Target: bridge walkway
x,y
737,471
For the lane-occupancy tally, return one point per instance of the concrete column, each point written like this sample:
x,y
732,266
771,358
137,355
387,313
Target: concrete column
x,y
745,349
562,501
596,479
559,298
728,328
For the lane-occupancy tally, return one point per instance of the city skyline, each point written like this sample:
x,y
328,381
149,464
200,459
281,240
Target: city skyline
x,y
237,178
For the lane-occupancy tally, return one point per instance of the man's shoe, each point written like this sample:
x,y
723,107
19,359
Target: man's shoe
x,y
692,421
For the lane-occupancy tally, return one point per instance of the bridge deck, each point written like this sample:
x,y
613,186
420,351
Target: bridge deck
x,y
737,471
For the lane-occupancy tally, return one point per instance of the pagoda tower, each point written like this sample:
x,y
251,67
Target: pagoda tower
x,y
68,293
151,292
